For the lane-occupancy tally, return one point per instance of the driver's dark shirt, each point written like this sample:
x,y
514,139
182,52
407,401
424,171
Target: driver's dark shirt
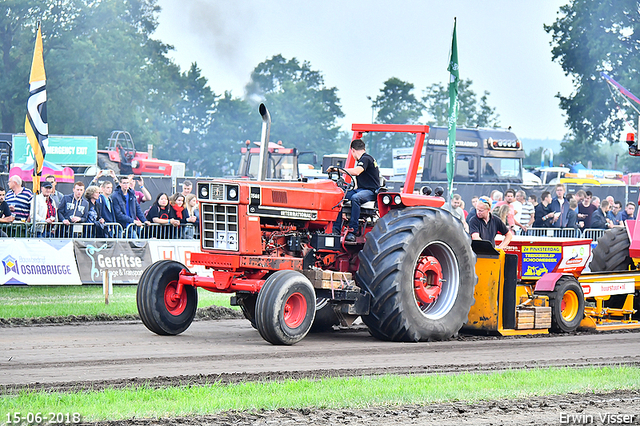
x,y
370,177
488,231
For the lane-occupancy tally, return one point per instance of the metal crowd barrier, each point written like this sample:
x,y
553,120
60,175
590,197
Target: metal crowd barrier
x,y
60,230
14,229
554,232
161,231
593,234
78,230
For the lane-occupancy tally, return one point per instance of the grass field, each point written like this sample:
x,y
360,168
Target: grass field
x,y
356,392
42,301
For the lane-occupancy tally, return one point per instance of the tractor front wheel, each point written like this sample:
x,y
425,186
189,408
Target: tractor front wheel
x,y
418,266
285,308
162,310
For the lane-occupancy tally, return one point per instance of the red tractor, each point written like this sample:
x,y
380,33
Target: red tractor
x,y
121,157
409,274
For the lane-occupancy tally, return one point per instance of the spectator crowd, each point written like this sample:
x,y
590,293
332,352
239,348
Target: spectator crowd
x,y
524,214
103,209
109,208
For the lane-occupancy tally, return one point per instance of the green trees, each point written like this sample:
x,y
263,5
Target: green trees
x,y
105,71
471,112
588,37
398,105
303,110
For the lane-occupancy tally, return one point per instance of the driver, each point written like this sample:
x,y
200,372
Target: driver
x,y
368,174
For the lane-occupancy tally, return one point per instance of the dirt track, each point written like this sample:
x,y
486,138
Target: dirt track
x,y
115,354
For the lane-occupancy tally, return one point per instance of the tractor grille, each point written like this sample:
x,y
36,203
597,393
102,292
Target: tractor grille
x,y
220,226
279,197
217,192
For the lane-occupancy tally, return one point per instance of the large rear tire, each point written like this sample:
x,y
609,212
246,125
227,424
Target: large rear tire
x,y
419,268
161,311
285,308
567,305
612,252
106,164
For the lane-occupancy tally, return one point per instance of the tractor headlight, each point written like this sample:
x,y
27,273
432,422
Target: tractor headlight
x,y
135,164
232,193
397,199
386,200
203,191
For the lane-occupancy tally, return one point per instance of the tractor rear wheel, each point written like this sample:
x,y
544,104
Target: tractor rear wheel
x,y
285,308
161,309
106,164
567,305
612,252
419,268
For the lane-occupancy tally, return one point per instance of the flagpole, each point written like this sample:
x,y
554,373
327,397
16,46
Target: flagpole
x,y
453,108
35,124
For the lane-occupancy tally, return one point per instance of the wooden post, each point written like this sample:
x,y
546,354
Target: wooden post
x,y
107,289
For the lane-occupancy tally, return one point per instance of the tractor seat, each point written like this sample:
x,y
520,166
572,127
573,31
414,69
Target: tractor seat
x,y
370,208
367,209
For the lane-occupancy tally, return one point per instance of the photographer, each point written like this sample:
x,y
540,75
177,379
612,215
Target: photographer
x,y
142,195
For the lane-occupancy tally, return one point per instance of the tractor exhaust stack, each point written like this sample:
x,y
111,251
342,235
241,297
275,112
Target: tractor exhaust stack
x,y
264,142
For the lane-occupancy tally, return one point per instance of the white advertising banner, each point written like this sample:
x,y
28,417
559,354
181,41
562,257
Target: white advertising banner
x,y
179,250
38,262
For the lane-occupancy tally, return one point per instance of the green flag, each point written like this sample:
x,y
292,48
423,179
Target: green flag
x,y
453,108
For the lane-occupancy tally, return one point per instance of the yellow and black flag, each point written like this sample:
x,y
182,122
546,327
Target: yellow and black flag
x,y
35,125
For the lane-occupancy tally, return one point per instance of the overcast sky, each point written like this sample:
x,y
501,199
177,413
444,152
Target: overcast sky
x,y
359,44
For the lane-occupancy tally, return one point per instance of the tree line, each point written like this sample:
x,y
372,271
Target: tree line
x,y
105,71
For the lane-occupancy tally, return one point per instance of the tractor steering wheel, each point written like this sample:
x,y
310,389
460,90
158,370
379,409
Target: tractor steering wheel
x,y
334,175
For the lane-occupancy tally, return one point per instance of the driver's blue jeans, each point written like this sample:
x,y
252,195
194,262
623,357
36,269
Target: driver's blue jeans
x,y
358,197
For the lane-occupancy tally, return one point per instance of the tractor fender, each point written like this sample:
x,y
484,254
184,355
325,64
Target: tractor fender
x,y
548,281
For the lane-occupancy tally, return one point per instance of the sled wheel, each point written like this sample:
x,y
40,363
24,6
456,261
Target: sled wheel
x,y
419,268
567,305
163,311
285,308
612,252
